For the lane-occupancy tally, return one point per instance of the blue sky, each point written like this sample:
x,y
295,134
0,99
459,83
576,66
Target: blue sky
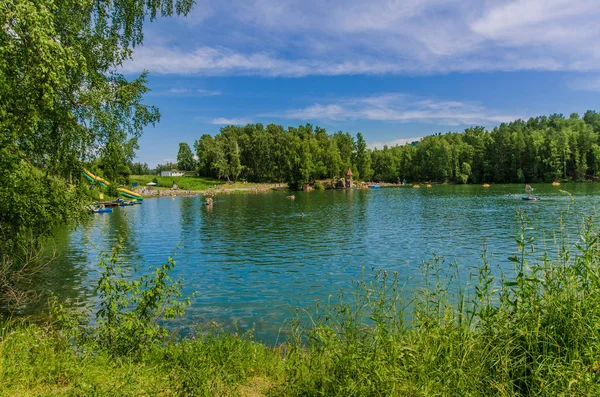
x,y
393,70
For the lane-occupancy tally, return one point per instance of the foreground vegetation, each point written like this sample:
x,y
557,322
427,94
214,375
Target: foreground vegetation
x,y
64,106
533,331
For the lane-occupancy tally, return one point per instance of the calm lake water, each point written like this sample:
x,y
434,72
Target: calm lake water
x,y
252,259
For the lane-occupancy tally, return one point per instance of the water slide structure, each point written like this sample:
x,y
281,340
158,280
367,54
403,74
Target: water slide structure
x,y
103,182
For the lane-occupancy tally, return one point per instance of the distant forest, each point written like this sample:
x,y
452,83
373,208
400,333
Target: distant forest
x,y
541,149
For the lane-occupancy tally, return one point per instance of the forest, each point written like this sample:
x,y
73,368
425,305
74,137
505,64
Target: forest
x,y
541,149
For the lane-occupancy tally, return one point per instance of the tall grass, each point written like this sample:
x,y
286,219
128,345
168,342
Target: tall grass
x,y
531,331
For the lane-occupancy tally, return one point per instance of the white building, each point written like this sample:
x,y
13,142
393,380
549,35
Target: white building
x,y
172,173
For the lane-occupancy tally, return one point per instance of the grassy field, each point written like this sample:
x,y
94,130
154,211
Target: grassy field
x,y
533,332
185,182
198,183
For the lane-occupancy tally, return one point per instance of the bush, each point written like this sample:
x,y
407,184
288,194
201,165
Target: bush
x,y
112,191
318,186
130,310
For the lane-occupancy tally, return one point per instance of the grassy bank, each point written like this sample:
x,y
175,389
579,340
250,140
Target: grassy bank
x,y
186,182
533,331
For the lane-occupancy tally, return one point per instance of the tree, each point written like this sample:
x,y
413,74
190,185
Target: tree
x,y
220,165
205,152
139,169
185,158
362,158
62,101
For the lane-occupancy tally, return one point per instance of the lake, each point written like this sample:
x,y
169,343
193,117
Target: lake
x,y
253,258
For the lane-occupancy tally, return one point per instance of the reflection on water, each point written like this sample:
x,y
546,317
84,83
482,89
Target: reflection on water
x,y
253,258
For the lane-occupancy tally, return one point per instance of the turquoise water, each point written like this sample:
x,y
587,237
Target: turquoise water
x,y
253,258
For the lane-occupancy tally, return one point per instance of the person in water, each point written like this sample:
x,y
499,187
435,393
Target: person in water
x,y
291,197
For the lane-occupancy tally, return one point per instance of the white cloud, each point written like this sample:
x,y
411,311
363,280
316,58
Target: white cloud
x,y
296,38
400,108
395,142
585,84
525,22
221,62
190,92
228,121
203,92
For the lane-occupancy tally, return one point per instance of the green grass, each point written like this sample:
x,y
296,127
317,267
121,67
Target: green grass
x,y
531,332
40,360
185,182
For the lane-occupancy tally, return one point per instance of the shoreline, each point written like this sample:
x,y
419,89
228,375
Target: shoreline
x,y
213,191
273,187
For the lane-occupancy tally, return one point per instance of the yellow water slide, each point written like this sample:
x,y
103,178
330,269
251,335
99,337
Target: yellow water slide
x,y
129,193
91,177
124,192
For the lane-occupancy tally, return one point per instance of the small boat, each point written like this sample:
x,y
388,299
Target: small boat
x,y
531,198
107,204
374,186
416,186
486,185
428,185
555,183
101,210
125,203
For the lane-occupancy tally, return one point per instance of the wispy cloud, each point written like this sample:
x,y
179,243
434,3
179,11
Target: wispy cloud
x,y
296,38
208,61
204,92
229,121
192,92
395,142
585,84
400,108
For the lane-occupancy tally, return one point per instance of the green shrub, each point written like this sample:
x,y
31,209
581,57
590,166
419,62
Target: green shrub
x,y
318,186
130,310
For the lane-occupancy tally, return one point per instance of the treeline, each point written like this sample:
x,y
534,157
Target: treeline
x,y
541,149
295,155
